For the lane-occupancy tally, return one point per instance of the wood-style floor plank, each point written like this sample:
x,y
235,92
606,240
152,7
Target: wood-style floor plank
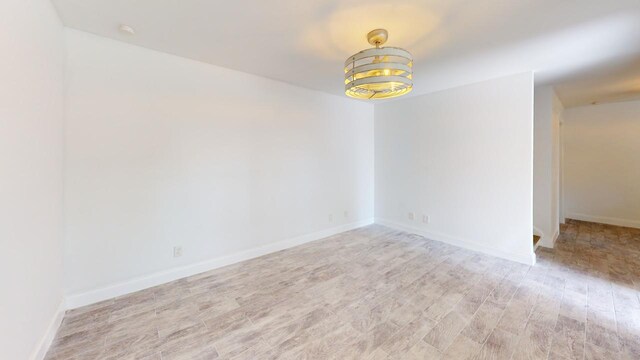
x,y
377,293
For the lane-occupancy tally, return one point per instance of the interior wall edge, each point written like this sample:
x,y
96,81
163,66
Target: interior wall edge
x,y
140,283
41,349
462,243
603,220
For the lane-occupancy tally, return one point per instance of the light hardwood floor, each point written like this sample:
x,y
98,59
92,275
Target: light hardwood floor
x,y
376,293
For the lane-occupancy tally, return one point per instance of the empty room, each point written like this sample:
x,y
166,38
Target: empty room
x,y
319,179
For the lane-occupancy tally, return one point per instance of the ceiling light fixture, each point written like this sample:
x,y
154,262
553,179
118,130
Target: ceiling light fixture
x,y
380,72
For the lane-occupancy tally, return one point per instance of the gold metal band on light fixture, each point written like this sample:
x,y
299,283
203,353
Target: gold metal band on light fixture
x,y
379,66
380,72
378,52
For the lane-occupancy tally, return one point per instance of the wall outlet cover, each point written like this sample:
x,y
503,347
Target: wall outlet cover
x,y
177,251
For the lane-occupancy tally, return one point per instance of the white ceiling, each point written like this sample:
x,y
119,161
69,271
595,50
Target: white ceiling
x,y
589,49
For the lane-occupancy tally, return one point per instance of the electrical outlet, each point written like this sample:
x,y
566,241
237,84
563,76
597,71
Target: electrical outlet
x,y
177,251
412,216
425,219
330,217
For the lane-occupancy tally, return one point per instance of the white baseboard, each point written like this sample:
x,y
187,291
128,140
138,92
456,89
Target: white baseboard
x,y
524,259
604,220
549,241
45,342
147,281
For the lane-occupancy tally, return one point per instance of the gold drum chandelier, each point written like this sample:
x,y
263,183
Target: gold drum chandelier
x,y
379,72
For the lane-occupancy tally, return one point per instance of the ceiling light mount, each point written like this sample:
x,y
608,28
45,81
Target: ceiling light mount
x,y
377,37
379,72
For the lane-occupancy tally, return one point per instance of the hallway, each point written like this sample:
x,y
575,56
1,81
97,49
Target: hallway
x,y
599,268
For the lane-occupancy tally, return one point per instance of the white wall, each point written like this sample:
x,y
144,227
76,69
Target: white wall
x,y
546,165
164,151
31,116
464,157
601,164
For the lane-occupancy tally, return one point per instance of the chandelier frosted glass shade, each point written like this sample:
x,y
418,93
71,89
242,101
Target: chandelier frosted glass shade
x,y
380,72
